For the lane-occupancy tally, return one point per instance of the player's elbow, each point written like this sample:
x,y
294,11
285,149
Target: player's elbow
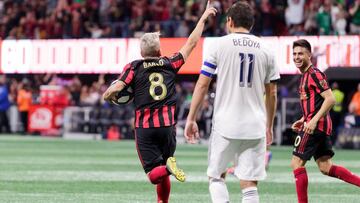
x,y
332,101
190,46
106,96
192,42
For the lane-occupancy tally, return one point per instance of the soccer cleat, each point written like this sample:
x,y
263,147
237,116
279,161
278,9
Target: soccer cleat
x,y
174,170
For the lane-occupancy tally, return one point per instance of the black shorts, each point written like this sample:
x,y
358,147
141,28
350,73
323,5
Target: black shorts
x,y
155,145
315,145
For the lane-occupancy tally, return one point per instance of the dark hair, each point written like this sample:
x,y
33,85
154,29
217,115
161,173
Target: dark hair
x,y
242,14
302,43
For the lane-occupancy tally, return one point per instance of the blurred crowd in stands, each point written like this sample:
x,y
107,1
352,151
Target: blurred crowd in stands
x,y
69,19
72,19
22,91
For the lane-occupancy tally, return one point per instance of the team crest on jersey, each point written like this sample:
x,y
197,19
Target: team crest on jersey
x,y
323,84
303,95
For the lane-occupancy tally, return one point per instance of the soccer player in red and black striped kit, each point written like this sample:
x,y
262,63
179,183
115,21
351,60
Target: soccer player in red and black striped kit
x,y
314,128
153,81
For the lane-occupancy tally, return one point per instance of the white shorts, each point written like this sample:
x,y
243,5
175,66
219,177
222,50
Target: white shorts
x,y
248,157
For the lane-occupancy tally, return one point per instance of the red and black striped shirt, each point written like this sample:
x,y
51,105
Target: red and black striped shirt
x,y
153,82
313,83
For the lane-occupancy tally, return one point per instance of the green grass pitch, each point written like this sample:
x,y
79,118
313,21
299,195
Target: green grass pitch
x,y
36,169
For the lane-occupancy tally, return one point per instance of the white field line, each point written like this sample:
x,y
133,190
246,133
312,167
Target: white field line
x,y
139,176
134,198
85,161
134,161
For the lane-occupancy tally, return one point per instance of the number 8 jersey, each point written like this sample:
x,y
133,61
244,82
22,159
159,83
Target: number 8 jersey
x,y
153,82
243,65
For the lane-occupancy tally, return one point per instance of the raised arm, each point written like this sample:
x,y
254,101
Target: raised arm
x,y
196,33
353,9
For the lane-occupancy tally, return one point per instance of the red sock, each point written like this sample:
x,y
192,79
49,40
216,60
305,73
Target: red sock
x,y
344,174
163,190
157,174
301,182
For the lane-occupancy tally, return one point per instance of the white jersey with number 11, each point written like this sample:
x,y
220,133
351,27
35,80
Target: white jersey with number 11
x,y
244,64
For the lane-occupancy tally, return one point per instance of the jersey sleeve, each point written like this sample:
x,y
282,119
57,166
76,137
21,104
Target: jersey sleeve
x,y
127,74
209,65
273,71
320,82
177,60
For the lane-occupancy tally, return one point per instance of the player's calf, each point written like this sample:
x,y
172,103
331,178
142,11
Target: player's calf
x,y
344,174
218,190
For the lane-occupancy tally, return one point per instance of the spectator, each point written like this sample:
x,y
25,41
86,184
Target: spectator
x,y
339,20
354,12
294,13
354,106
336,111
54,19
4,105
310,26
267,22
24,100
182,30
324,18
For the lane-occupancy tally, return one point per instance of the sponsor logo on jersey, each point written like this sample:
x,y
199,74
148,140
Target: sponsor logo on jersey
x,y
303,96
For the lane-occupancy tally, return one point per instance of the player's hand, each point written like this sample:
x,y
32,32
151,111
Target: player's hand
x,y
211,11
191,132
296,126
269,136
310,126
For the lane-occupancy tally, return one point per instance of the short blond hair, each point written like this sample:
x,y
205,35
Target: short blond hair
x,y
150,44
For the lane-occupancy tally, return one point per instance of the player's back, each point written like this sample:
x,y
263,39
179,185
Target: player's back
x,y
153,81
244,65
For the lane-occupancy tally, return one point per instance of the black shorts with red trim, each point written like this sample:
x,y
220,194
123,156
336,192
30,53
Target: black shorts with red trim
x,y
155,145
315,145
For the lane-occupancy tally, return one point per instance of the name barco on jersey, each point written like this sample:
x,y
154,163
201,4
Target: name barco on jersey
x,y
152,64
246,42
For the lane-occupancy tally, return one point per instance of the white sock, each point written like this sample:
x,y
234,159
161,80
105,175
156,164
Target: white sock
x,y
218,191
250,195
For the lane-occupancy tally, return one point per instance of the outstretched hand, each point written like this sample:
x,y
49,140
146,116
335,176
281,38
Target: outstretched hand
x,y
210,11
191,132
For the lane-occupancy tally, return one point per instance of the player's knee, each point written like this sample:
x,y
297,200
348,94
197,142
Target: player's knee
x,y
223,175
324,171
154,180
296,163
213,180
324,165
247,184
324,168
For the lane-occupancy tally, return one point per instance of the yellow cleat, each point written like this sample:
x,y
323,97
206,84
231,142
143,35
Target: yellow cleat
x,y
174,170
